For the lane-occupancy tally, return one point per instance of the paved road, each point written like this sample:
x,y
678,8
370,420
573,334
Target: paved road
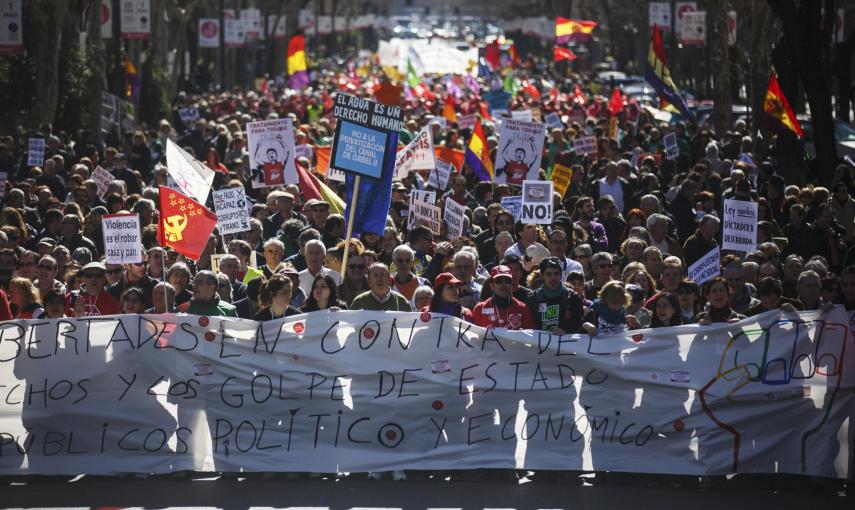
x,y
761,492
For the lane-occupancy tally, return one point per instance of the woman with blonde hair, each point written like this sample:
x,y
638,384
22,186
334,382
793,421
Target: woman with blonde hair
x,y
608,312
25,299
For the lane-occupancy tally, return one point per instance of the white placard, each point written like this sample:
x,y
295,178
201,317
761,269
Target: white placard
x,y
36,152
209,33
235,36
454,215
513,205
188,114
438,177
102,179
731,28
230,206
417,155
739,226
585,145
520,150
525,115
193,178
553,120
427,215
271,153
135,19
106,19
467,121
122,238
671,148
659,14
276,26
537,202
427,197
706,268
3,177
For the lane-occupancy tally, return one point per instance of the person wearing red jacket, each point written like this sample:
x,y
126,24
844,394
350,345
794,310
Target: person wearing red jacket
x,y
502,310
92,299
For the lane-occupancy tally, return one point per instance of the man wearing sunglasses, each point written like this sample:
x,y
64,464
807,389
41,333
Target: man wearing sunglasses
x,y
135,275
93,299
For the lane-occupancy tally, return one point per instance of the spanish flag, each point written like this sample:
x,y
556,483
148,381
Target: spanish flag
x,y
297,75
478,154
659,77
572,29
777,107
312,187
176,213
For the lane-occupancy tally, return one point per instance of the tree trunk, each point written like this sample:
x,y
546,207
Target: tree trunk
x,y
717,44
95,56
843,73
44,37
757,22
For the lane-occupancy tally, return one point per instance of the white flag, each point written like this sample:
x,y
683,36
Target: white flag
x,y
190,174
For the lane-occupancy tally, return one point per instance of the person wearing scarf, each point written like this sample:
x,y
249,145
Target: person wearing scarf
x,y
608,312
719,309
446,298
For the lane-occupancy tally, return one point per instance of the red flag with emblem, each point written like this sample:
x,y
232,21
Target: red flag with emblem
x,y
177,213
616,102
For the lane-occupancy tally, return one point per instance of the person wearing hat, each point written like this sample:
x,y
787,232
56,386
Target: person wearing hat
x,y
446,298
502,310
92,300
555,308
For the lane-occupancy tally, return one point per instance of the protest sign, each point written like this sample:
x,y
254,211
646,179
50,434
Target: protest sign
x,y
520,150
693,29
374,391
135,17
706,268
561,176
585,145
659,15
36,152
467,121
271,153
192,177
102,179
426,197
234,35
251,19
454,214
189,114
553,120
537,202
209,33
417,155
497,99
521,115
106,19
670,142
11,33
231,207
438,177
215,261
427,215
122,238
361,143
739,226
513,205
334,174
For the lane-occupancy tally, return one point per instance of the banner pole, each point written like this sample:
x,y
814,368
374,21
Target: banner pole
x,y
166,280
350,216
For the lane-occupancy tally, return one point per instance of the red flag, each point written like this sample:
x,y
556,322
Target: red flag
x,y
449,110
530,90
778,108
616,102
176,213
559,54
453,156
492,55
579,96
485,112
323,155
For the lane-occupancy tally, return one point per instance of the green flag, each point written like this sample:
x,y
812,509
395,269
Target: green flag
x,y
413,78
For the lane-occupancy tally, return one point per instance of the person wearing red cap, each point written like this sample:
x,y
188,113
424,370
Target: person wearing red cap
x,y
446,298
502,310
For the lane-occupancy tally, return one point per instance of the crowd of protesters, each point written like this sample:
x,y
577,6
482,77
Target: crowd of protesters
x,y
614,257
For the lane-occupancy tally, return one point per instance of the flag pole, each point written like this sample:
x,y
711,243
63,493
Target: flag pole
x,y
350,216
165,279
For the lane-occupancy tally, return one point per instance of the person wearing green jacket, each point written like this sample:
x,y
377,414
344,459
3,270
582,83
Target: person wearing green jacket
x,y
205,299
380,296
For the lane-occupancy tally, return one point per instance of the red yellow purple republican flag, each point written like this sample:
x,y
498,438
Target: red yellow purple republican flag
x,y
298,76
777,107
573,30
478,154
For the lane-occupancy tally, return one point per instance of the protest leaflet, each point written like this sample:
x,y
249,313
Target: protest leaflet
x,y
522,115
454,214
561,176
513,205
585,145
188,114
537,202
362,135
232,213
467,121
272,154
706,268
438,177
519,152
739,226
122,238
102,179
417,155
670,142
36,152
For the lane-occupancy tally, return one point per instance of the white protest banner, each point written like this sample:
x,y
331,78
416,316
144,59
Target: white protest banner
x,y
102,179
553,120
188,114
680,11
670,142
135,19
427,215
438,178
537,202
585,145
706,268
234,35
417,155
454,214
694,28
520,150
230,206
271,153
739,226
192,177
513,205
36,152
251,19
11,28
122,238
276,26
426,197
209,33
330,393
467,121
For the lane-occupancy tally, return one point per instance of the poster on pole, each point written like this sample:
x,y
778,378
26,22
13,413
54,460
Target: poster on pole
x,y
513,205
585,145
694,28
122,238
102,179
553,121
706,268
454,215
680,10
276,26
232,213
467,121
739,226
520,150
191,175
209,33
671,148
362,134
271,153
438,178
135,19
36,152
659,15
251,19
417,155
537,202
11,28
561,176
